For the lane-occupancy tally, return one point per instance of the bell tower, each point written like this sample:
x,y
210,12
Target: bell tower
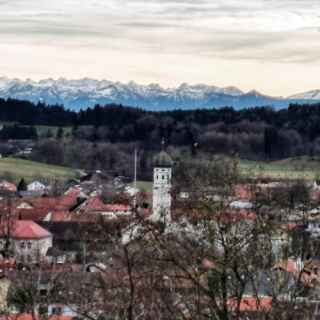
x,y
162,175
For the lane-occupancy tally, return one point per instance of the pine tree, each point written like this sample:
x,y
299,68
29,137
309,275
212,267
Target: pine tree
x,y
22,186
60,133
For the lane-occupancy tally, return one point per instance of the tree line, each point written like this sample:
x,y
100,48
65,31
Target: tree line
x,y
253,133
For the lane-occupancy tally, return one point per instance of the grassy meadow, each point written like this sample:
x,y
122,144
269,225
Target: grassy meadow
x,y
15,169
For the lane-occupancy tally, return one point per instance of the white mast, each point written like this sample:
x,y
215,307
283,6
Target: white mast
x,y
135,178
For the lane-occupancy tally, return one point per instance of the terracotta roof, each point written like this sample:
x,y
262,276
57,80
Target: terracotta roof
x,y
44,202
289,226
31,214
251,304
95,204
242,192
287,265
117,207
7,263
69,199
28,316
208,264
8,186
27,229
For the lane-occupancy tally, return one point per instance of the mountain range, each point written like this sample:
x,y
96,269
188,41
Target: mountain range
x,y
84,93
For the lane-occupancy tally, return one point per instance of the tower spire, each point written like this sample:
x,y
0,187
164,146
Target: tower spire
x,y
162,175
163,143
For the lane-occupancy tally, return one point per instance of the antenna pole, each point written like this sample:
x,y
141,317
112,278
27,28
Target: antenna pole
x,y
135,178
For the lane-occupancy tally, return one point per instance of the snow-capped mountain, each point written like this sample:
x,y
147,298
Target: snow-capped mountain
x,y
310,95
84,93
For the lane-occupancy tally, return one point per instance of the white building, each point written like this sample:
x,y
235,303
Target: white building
x,y
162,175
28,241
36,186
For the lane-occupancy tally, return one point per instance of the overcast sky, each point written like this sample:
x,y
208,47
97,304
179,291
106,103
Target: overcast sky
x,y
269,45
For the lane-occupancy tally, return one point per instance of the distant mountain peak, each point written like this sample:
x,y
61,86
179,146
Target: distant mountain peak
x,y
87,92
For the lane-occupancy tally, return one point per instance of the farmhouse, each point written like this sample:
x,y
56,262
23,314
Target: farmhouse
x,y
27,240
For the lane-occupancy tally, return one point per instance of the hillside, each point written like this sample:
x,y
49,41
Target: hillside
x,y
19,168
291,168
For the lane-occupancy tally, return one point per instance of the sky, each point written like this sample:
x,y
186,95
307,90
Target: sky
x,y
269,45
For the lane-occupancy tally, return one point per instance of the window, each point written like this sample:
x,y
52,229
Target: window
x,y
163,177
57,310
22,244
29,244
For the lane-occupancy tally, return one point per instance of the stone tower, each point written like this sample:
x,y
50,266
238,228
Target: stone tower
x,y
162,175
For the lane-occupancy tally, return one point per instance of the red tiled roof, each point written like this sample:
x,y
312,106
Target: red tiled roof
x,y
60,216
31,214
44,202
69,199
8,186
242,192
208,264
251,304
117,207
27,229
287,265
7,263
95,204
28,316
289,226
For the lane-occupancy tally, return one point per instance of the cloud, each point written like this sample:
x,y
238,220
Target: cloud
x,y
238,31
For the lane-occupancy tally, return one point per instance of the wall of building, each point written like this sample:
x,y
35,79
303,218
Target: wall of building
x,y
162,194
31,251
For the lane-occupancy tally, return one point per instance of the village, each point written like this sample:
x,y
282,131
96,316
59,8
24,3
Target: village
x,y
93,253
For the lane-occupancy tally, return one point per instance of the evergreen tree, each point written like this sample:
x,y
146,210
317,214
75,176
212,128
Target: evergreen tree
x,y
49,134
60,133
22,186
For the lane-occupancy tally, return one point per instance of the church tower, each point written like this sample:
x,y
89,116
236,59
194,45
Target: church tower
x,y
162,175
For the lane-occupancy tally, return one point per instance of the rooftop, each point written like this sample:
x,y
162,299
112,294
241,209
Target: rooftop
x,y
162,159
27,230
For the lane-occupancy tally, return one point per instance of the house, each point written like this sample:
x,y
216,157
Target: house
x,y
313,223
240,204
28,241
36,186
95,206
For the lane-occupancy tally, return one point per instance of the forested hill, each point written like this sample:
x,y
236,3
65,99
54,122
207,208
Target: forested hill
x,y
305,118
256,131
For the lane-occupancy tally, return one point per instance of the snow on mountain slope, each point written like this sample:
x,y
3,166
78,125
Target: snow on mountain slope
x,y
84,93
310,95
87,92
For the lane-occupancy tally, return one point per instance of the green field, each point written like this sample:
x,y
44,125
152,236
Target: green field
x,y
43,130
144,186
16,169
292,168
